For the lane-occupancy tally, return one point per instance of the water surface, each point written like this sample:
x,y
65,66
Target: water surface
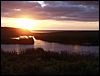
x,y
50,46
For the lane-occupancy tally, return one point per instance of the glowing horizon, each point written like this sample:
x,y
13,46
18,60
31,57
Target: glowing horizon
x,y
50,16
48,24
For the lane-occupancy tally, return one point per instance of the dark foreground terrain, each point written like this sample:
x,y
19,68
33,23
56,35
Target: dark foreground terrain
x,y
39,62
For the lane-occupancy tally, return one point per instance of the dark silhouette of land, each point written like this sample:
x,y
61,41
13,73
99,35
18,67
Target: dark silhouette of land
x,y
65,37
41,62
71,37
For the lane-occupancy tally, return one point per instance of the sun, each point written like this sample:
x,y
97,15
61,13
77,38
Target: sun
x,y
25,23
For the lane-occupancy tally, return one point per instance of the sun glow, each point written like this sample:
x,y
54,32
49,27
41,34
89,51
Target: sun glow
x,y
32,24
25,23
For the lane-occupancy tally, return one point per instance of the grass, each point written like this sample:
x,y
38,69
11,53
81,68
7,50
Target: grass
x,y
40,62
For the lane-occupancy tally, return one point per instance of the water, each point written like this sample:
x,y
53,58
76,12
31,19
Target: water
x,y
56,47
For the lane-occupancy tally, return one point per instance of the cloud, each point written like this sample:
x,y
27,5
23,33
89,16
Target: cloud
x,y
10,8
19,4
56,10
73,10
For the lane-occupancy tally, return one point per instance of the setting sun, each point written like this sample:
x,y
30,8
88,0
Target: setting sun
x,y
25,23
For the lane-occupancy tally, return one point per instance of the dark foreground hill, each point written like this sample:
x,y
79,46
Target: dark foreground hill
x,y
7,32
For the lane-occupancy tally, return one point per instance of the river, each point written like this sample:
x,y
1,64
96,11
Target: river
x,y
50,46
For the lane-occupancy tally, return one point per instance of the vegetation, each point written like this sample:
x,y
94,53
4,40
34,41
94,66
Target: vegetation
x,y
40,62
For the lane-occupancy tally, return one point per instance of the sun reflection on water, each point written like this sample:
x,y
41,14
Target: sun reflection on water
x,y
24,37
77,48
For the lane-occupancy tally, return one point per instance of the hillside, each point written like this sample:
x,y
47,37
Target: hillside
x,y
66,37
7,32
70,37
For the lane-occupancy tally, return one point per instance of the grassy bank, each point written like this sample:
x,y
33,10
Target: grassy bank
x,y
40,62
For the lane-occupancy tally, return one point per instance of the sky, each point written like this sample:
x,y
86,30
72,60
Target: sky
x,y
50,15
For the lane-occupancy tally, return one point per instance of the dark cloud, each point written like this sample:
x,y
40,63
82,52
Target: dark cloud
x,y
57,10
16,8
19,4
74,10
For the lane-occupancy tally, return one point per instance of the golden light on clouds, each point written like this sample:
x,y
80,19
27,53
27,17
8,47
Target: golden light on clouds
x,y
48,15
30,24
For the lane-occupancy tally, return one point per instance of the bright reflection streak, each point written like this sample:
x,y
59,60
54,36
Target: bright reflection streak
x,y
24,37
17,38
